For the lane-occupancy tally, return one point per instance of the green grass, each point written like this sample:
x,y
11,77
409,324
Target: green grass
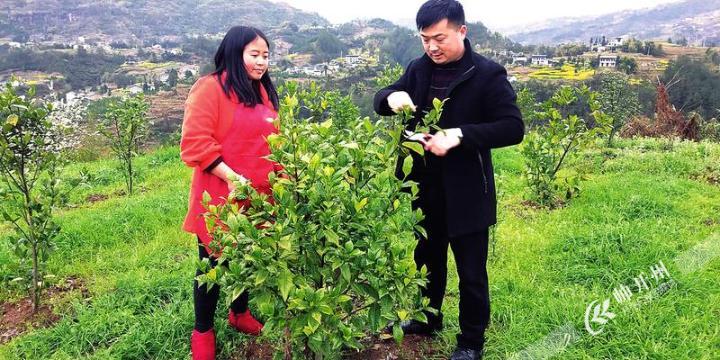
x,y
644,202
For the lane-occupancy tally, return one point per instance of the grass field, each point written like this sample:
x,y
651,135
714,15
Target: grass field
x,y
645,201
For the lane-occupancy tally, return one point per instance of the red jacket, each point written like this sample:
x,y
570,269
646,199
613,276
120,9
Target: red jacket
x,y
214,126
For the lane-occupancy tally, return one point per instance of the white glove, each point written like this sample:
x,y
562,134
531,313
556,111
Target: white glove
x,y
399,100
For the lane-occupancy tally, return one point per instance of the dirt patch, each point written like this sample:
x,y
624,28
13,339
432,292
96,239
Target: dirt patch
x,y
256,350
18,318
93,198
413,347
709,175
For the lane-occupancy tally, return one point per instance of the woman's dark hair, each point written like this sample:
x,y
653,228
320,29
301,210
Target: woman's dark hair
x,y
229,59
434,11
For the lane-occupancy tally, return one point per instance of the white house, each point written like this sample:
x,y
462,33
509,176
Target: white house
x,y
135,89
352,59
617,42
522,60
540,60
608,61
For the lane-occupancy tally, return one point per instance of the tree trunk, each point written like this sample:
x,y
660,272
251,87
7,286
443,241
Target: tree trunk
x,y
35,289
288,344
130,174
611,137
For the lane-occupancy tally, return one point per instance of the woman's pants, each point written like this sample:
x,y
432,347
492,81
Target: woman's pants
x,y
206,301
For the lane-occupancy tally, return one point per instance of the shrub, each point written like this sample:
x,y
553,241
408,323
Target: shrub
x,y
330,256
126,124
548,148
31,157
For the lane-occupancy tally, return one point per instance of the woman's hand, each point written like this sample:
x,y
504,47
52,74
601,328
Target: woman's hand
x,y
228,175
232,178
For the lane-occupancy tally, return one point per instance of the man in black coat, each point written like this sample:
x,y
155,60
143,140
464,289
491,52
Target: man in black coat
x,y
456,178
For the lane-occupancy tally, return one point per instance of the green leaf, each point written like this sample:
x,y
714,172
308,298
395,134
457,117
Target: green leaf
x,y
368,125
285,283
317,316
361,204
437,104
407,165
212,274
13,119
206,198
332,237
414,146
345,272
397,333
285,242
315,161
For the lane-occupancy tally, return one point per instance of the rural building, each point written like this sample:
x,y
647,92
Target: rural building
x,y
608,61
540,60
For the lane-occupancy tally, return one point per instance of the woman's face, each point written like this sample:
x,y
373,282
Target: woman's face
x,y
255,57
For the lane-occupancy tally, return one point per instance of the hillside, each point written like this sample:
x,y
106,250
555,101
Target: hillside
x,y
696,20
55,20
643,204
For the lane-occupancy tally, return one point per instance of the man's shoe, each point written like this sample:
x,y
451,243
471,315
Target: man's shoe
x,y
202,345
462,353
245,323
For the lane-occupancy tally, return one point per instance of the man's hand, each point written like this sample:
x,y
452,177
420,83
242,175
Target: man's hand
x,y
400,100
440,143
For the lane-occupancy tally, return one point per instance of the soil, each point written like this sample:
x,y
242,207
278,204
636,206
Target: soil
x,y
93,198
18,317
413,348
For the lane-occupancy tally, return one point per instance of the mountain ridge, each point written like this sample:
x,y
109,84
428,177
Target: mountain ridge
x,y
698,21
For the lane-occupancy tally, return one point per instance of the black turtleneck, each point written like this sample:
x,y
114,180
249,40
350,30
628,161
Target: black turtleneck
x,y
442,76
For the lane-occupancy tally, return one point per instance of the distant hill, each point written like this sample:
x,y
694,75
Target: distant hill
x,y
696,20
136,20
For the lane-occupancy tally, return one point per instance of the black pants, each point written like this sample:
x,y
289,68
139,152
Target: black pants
x,y
470,253
206,301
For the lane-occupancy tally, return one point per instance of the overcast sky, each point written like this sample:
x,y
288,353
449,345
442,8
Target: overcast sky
x,y
495,14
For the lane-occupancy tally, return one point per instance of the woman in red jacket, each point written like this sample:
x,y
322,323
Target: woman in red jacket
x,y
228,116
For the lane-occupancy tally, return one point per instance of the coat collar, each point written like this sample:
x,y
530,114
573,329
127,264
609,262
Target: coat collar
x,y
425,68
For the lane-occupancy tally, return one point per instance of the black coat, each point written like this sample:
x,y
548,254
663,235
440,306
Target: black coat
x,y
482,103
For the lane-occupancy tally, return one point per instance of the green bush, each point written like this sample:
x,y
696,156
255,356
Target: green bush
x,y
31,157
331,256
548,148
126,125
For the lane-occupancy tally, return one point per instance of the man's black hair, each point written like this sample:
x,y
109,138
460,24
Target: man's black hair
x,y
434,11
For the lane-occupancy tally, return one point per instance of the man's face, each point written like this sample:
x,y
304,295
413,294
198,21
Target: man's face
x,y
444,42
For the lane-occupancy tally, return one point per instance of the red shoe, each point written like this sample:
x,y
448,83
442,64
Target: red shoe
x,y
245,323
202,345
